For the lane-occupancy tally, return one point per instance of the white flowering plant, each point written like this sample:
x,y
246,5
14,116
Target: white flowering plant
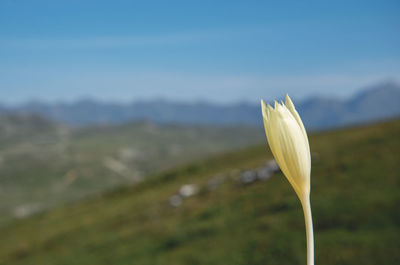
x,y
288,141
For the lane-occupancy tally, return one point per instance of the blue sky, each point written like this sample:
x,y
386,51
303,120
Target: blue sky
x,y
220,51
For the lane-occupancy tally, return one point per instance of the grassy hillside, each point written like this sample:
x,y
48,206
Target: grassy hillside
x,y
43,164
355,199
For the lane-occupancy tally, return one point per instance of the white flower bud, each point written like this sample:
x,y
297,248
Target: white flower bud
x,y
288,141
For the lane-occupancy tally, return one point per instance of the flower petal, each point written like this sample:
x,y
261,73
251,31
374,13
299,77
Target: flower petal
x,y
289,104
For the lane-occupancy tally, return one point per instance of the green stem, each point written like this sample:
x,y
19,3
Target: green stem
x,y
305,202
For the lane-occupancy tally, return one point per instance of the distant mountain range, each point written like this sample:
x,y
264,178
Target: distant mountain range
x,y
381,101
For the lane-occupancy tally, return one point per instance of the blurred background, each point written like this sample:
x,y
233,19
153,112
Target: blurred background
x,y
131,131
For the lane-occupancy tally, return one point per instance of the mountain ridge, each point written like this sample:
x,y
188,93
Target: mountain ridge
x,y
317,112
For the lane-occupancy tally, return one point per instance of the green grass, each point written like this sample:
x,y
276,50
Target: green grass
x,y
354,196
43,164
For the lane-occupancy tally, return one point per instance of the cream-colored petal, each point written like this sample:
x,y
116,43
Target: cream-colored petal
x,y
289,104
275,145
302,144
264,110
296,152
291,141
289,170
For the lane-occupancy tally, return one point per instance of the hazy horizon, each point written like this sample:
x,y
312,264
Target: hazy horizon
x,y
91,98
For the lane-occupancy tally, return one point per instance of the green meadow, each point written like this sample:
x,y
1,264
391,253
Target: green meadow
x,y
44,164
354,195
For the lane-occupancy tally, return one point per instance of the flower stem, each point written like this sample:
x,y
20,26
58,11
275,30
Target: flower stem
x,y
305,202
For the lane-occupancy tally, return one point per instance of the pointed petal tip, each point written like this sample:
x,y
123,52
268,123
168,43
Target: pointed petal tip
x,y
264,109
289,104
288,100
262,103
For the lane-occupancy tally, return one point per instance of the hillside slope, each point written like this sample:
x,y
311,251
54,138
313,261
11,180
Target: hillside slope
x,y
355,182
40,159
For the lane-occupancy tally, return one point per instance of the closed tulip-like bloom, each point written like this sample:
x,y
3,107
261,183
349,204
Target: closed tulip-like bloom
x,y
288,141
